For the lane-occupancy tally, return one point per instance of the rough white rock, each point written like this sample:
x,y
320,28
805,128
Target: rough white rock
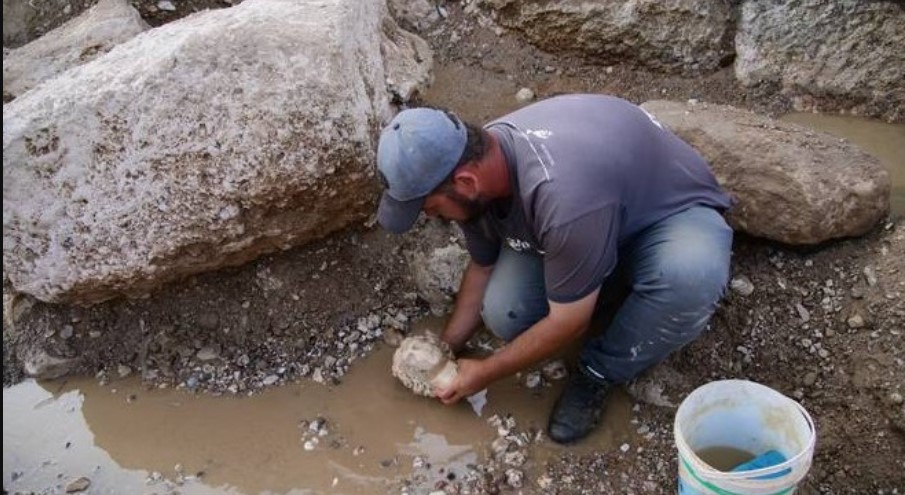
x,y
76,42
200,144
423,362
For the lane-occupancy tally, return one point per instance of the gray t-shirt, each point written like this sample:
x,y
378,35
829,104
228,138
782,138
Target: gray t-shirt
x,y
588,173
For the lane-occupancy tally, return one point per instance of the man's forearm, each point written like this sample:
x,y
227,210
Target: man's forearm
x,y
466,317
539,342
564,324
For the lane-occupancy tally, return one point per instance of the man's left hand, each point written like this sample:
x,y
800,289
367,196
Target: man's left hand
x,y
472,378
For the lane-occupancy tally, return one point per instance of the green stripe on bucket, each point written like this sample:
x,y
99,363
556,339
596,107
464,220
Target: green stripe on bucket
x,y
715,489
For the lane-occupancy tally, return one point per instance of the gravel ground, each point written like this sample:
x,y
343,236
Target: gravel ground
x,y
822,325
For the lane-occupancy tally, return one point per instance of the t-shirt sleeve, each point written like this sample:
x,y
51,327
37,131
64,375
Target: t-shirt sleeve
x,y
580,254
482,245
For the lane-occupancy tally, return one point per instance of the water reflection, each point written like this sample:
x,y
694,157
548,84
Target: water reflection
x,y
120,434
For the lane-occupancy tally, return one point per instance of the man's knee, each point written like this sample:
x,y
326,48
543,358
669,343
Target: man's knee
x,y
695,277
500,317
507,317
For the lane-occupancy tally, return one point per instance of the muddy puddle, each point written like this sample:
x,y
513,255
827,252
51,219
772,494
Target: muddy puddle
x,y
120,436
884,141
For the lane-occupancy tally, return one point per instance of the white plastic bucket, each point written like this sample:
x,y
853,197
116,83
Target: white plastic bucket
x,y
750,417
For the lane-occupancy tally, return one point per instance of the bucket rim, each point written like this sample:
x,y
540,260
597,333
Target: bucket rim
x,y
715,474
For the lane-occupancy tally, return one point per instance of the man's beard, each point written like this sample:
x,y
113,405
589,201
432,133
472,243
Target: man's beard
x,y
473,208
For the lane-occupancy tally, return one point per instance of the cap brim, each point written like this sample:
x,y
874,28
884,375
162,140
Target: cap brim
x,y
398,216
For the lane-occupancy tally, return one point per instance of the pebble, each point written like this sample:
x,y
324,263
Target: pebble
x,y
270,380
810,379
514,478
191,382
67,331
803,313
166,5
856,321
555,370
870,276
533,379
896,398
78,485
742,285
123,370
524,95
207,353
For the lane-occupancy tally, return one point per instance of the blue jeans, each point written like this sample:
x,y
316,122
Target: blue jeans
x,y
661,295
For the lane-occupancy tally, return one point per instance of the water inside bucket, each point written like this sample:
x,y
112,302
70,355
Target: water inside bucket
x,y
724,458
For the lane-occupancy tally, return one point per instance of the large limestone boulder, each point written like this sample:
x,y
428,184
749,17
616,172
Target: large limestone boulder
x,y
200,144
819,51
679,35
791,184
80,40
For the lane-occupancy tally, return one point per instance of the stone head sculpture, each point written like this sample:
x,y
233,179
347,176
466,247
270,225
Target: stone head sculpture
x,y
423,363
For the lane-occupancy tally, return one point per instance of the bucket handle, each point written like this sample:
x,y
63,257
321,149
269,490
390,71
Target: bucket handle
x,y
754,473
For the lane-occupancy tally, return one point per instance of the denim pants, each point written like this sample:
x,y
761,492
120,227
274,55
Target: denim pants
x,y
666,285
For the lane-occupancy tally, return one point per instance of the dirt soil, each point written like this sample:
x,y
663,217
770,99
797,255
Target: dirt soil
x,y
822,325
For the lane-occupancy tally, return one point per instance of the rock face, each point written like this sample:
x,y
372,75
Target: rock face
x,y
437,263
80,40
423,362
200,144
791,184
817,50
680,35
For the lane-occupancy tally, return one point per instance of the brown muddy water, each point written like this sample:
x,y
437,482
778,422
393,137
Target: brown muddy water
x,y
126,439
884,141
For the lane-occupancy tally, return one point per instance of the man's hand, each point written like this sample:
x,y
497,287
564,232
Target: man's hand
x,y
471,379
466,317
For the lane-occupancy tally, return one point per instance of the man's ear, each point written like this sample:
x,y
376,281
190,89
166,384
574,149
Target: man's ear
x,y
466,181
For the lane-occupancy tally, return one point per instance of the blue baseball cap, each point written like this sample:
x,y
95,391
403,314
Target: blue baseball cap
x,y
417,151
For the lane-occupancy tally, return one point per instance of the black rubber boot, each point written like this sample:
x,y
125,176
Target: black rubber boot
x,y
577,411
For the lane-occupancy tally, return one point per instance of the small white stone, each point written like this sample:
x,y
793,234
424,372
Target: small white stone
x,y
742,285
856,321
524,95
